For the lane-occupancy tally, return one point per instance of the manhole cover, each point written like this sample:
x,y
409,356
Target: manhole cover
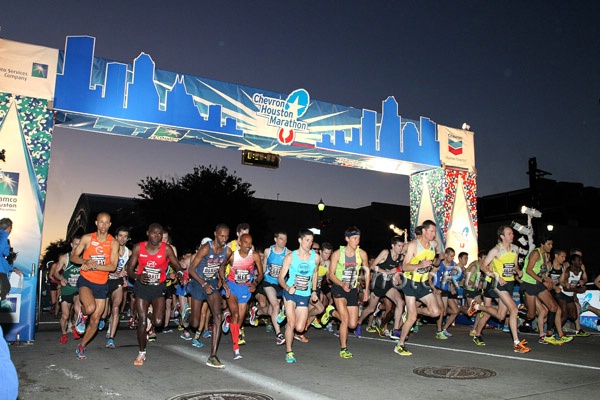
x,y
450,372
226,395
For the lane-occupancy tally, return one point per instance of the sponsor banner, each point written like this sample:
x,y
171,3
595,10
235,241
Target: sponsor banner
x,y
25,136
28,70
457,148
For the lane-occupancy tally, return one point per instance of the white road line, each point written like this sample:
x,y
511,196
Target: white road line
x,y
479,353
252,377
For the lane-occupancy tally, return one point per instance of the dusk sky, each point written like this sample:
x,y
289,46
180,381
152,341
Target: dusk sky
x,y
524,75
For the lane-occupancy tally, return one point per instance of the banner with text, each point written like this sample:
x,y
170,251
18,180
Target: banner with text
x,y
457,148
28,70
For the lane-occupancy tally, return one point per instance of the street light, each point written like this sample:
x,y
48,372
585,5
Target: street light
x,y
321,206
397,231
532,212
550,228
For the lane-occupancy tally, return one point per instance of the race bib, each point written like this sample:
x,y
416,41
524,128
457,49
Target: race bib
x,y
508,270
275,270
301,282
210,271
100,260
349,276
72,281
153,275
242,276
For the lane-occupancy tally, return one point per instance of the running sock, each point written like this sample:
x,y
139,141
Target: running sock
x,y
235,335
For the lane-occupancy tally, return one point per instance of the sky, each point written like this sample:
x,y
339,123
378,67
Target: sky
x,y
524,75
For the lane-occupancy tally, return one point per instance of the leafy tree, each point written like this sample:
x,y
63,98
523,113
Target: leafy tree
x,y
53,251
191,206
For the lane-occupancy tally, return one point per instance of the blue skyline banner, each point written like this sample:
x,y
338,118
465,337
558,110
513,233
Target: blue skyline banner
x,y
140,100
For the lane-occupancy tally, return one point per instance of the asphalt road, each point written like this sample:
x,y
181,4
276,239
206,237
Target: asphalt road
x,y
49,370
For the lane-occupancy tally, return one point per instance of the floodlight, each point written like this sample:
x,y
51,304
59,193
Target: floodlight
x,y
523,251
532,212
523,230
523,241
466,127
397,231
550,228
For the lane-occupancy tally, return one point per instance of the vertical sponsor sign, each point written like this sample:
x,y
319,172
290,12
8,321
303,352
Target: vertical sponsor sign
x,y
25,135
457,148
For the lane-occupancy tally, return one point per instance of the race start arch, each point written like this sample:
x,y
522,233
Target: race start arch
x,y
41,87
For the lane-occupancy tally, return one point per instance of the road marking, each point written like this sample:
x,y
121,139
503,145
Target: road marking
x,y
252,377
490,354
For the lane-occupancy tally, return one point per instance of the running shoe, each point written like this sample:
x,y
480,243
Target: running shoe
x,y
75,334
214,362
253,314
582,333
585,306
139,360
280,339
402,350
327,314
380,331
395,335
301,338
506,329
110,343
446,333
132,323
242,337
289,357
237,355
329,328
63,339
167,330
185,335
472,332
197,343
344,353
80,325
521,347
281,315
207,334
152,336
478,340
358,331
269,328
371,329
542,340
440,335
316,323
101,324
565,338
226,321
108,331
80,351
415,328
473,308
180,327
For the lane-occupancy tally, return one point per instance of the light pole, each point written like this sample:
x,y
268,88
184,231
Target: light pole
x,y
321,208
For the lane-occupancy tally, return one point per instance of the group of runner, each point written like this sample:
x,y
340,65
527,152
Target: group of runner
x,y
226,282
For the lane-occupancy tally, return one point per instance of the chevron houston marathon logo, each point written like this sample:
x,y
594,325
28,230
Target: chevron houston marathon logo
x,y
284,114
455,146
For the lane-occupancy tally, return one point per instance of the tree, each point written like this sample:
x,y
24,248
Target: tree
x,y
53,251
191,206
